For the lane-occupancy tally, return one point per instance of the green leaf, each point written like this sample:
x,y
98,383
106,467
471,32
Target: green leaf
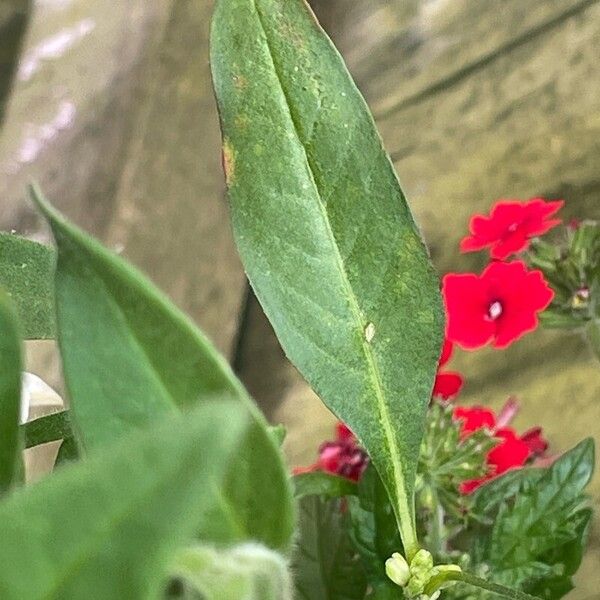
x,y
323,484
374,530
26,272
325,233
14,16
245,572
10,396
68,452
325,561
540,526
107,527
49,428
487,499
130,357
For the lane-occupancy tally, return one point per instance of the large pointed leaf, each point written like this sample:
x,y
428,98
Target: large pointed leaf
x,y
130,357
106,528
10,395
325,233
26,273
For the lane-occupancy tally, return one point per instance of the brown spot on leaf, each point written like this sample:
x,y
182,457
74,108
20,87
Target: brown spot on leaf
x,y
228,162
240,82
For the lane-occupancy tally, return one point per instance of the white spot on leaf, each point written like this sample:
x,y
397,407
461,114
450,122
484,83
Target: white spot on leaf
x,y
369,332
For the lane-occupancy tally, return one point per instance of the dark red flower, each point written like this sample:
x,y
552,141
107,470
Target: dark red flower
x,y
510,225
512,451
498,306
447,383
535,441
342,456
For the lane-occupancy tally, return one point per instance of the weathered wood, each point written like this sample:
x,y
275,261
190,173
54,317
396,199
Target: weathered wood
x,y
171,215
14,16
71,109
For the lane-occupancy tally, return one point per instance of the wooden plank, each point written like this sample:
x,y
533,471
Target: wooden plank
x,y
171,216
14,17
72,105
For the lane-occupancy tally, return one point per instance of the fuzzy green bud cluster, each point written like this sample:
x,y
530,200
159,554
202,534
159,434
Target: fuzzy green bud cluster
x,y
418,577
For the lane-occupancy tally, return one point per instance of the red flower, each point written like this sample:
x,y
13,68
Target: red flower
x,y
474,418
510,226
511,452
499,306
447,383
343,456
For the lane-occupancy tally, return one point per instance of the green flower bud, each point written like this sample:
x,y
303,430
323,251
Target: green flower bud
x,y
422,563
396,568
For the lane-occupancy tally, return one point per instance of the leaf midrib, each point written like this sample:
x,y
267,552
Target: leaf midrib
x,y
403,512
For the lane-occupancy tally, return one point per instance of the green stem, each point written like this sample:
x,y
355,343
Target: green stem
x,y
592,333
438,534
436,582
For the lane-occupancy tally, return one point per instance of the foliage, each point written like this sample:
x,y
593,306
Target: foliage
x,y
325,233
325,561
26,272
171,484
10,397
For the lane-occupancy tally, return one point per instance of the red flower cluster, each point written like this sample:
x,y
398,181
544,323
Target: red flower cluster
x,y
510,226
498,306
343,456
447,383
501,304
512,450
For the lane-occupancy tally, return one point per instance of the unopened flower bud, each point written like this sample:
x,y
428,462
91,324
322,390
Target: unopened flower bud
x,y
396,568
421,563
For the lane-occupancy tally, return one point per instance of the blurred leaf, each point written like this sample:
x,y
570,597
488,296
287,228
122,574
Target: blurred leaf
x,y
325,233
48,428
10,396
14,16
325,562
68,452
106,527
130,357
26,272
245,572
322,484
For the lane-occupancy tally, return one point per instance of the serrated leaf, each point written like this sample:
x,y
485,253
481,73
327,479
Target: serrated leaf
x,y
540,525
322,484
10,395
487,498
107,527
130,358
325,563
325,233
26,273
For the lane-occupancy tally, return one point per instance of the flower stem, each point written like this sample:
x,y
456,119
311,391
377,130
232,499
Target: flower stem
x,y
435,583
592,333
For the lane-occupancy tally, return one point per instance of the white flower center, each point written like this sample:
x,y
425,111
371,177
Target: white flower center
x,y
495,310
